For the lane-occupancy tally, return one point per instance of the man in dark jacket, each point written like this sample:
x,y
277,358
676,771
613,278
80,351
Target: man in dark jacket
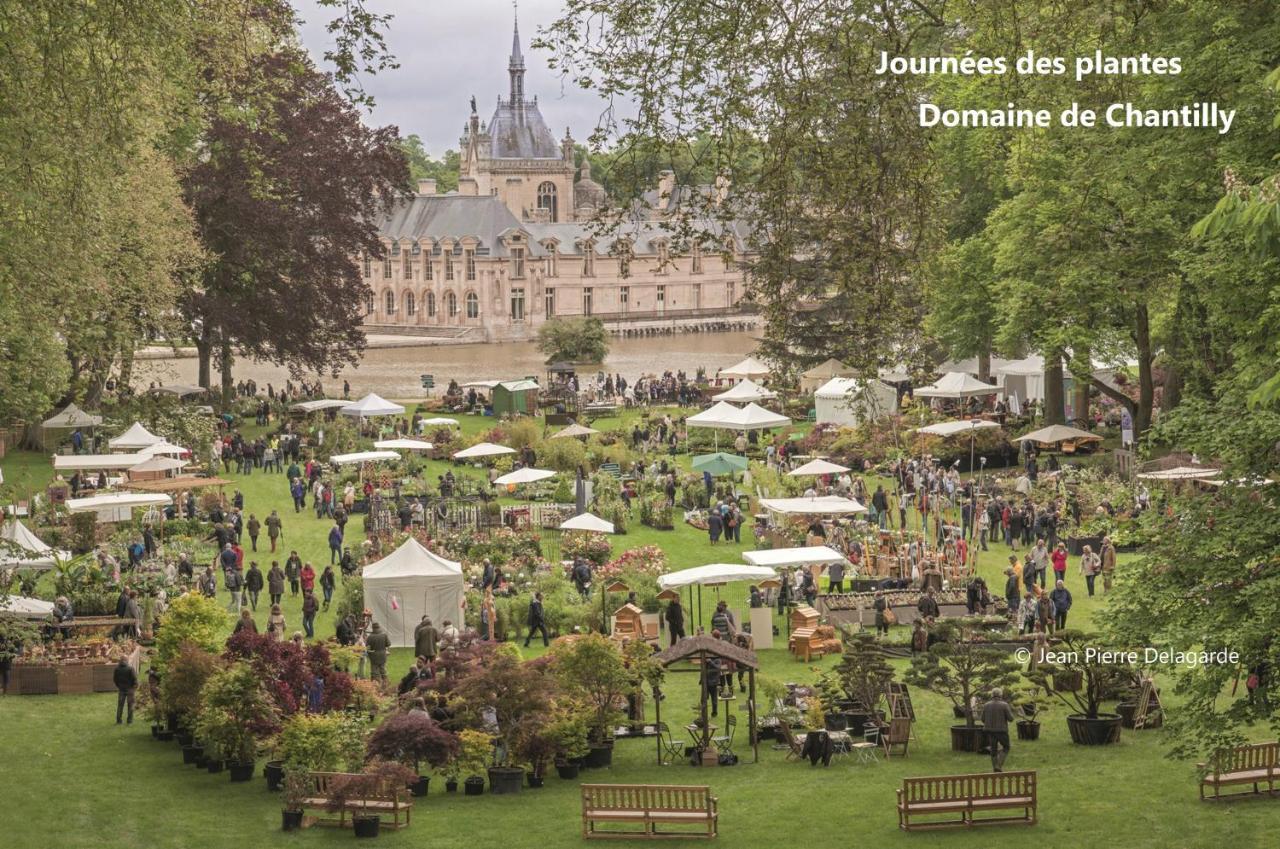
x,y
537,621
310,607
126,681
928,605
1060,596
254,527
253,583
1012,586
377,644
293,571
275,582
425,638
675,620
996,716
835,578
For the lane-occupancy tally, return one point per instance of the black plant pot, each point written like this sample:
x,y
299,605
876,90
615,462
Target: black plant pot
x,y
164,735
1028,729
192,754
966,738
419,787
241,771
534,781
185,738
1101,731
214,765
568,770
600,756
202,761
856,721
451,785
274,772
1126,711
505,780
171,721
290,820
836,722
155,730
473,786
366,826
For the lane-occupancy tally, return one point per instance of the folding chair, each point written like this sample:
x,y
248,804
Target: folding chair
x,y
672,748
867,748
793,744
724,742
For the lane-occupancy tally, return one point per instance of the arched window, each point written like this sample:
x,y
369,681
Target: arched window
x,y
547,198
410,304
473,305
389,300
450,304
431,305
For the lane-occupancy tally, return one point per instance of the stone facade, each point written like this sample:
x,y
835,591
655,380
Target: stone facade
x,y
513,246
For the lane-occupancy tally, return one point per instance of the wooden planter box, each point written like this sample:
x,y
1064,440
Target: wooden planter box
x,y
30,680
75,679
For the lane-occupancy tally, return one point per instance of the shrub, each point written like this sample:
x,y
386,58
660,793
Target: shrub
x,y
413,738
322,742
236,713
190,619
591,669
592,547
184,678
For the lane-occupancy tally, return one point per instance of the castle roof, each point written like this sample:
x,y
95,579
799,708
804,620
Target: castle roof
x,y
518,131
435,218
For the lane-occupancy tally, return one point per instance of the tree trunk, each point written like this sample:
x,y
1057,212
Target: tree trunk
x,y
1053,389
204,351
126,361
984,363
1146,382
224,363
1080,389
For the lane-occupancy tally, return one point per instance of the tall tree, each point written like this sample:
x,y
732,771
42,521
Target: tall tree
x,y
422,166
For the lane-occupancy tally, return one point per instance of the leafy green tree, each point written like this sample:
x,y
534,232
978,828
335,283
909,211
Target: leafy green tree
x,y
422,166
960,668
577,340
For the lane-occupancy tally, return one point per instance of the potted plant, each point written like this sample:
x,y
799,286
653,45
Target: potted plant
x,y
319,742
962,670
862,676
296,787
1028,722
474,756
356,791
413,738
569,731
237,713
1088,724
180,687
592,671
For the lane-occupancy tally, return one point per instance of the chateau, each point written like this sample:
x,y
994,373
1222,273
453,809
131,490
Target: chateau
x,y
515,245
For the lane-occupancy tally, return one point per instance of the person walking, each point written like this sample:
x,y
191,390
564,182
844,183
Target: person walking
x,y
125,677
1059,559
254,527
377,644
209,583
715,524
310,607
1090,566
1060,597
1108,558
292,569
275,582
335,544
307,577
835,577
245,622
253,583
537,621
327,583
426,639
1012,587
234,583
881,607
996,716
675,620
1040,557
276,624
275,530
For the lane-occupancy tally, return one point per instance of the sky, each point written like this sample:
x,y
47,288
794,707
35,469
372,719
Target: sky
x,y
449,50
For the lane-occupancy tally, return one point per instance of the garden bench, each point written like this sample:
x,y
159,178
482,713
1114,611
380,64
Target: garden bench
x,y
648,805
968,796
1255,764
389,799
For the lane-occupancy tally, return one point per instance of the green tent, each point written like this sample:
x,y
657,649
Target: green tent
x,y
515,397
719,463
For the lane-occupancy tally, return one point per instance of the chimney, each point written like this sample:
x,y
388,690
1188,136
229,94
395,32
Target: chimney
x,y
468,186
666,187
427,186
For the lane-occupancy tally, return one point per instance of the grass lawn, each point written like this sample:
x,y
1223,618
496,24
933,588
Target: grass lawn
x,y
70,777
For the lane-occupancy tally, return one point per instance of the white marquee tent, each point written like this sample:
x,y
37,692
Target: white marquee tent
x,y
826,505
319,404
35,553
803,556
822,373
750,367
166,448
362,457
957,384
372,405
715,573
28,608
96,462
410,583
134,438
403,444
848,401
69,418
744,391
438,421
116,506
718,416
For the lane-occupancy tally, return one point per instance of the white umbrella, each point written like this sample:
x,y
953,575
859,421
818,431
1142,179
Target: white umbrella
x,y
744,391
574,430
525,475
158,464
1058,433
750,367
483,449
372,405
953,428
363,457
829,505
817,467
403,444
587,522
166,448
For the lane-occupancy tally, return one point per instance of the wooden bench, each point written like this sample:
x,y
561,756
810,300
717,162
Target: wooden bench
x,y
648,805
389,799
968,796
1256,764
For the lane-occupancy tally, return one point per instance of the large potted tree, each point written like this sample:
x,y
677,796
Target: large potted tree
x,y
963,670
1099,679
862,677
570,730
413,738
592,670
319,742
185,676
237,714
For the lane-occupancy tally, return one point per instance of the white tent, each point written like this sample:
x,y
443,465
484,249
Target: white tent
x,y
158,464
969,365
956,427
135,437
719,416
827,505
750,367
28,608
587,522
166,448
957,384
817,467
403,444
573,430
180,390
715,573
362,457
755,417
1054,434
745,390
372,405
438,421
35,553
820,374
848,401
320,404
116,506
1180,473
480,384
482,449
96,462
71,416
803,556
525,475
1024,377
408,584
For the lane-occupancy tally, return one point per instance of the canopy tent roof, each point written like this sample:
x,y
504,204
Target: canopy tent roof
x,y
403,444
894,374
439,421
969,365
1026,366
410,583
30,608
957,384
166,448
319,404
480,384
587,522
525,475
745,390
715,573
817,467
725,416
36,553
136,436
719,463
412,558
72,416
955,427
572,430
483,449
694,647
750,367
1179,473
372,405
181,390
159,464
522,385
1058,433
794,556
825,371
715,416
363,457
116,500
827,505
96,462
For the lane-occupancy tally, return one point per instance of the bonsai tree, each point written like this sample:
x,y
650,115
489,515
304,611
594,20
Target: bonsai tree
x,y
412,738
592,670
1098,679
237,713
510,699
863,673
959,668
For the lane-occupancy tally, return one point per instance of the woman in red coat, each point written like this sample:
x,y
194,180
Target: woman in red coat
x,y
1059,559
308,577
